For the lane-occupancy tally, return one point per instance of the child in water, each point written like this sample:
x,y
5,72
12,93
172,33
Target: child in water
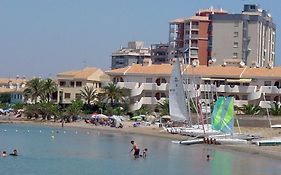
x,y
4,154
144,153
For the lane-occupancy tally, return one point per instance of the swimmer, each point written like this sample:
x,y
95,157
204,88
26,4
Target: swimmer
x,y
15,153
4,154
208,157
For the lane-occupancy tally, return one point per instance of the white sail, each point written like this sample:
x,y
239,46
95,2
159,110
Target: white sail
x,y
177,101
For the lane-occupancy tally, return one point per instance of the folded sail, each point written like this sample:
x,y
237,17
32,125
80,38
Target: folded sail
x,y
177,100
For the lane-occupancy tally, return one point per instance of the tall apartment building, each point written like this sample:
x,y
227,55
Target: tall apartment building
x,y
135,53
247,38
159,53
188,37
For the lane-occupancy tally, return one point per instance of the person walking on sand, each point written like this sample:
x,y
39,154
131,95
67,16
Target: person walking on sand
x,y
136,149
62,123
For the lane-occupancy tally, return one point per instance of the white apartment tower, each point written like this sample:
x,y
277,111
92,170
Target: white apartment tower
x,y
247,38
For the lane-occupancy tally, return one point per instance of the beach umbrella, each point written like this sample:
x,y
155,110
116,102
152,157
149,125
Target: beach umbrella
x,y
102,116
136,118
117,120
150,118
166,117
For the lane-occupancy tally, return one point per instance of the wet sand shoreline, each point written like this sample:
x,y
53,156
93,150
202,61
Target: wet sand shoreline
x,y
273,152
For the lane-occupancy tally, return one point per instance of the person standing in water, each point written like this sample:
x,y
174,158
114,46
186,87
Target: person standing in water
x,y
208,157
136,149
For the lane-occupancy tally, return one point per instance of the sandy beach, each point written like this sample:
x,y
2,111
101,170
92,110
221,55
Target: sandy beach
x,y
155,131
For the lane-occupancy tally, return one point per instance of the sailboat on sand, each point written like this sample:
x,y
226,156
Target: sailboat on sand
x,y
222,118
178,108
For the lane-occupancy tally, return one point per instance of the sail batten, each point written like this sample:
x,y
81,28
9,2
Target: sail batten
x,y
177,100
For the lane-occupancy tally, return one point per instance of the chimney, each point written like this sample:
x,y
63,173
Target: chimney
x,y
147,62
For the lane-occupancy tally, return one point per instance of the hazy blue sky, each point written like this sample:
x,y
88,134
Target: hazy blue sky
x,y
45,37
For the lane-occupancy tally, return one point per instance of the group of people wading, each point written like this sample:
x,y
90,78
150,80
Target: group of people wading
x,y
136,150
208,140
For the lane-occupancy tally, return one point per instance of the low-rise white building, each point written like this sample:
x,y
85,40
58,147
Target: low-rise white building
x,y
149,84
13,86
71,83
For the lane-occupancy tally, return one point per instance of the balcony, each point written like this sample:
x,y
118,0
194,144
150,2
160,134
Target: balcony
x,y
194,46
145,100
270,89
195,27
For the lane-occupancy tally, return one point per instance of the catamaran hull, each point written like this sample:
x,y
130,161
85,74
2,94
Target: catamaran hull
x,y
270,142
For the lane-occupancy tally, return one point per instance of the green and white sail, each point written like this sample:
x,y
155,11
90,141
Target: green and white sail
x,y
222,116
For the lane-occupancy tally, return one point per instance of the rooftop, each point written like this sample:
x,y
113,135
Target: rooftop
x,y
79,74
204,71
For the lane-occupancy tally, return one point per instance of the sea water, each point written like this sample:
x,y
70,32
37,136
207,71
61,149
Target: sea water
x,y
65,151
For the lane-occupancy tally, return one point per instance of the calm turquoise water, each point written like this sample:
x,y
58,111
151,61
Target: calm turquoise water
x,y
78,152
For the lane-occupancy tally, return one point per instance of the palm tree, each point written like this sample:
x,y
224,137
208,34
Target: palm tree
x,y
89,94
275,109
115,94
142,111
250,109
164,107
74,109
34,89
49,87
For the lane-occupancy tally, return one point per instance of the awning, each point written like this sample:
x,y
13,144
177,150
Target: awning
x,y
213,79
242,80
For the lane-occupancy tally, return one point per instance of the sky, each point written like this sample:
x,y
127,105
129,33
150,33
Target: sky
x,y
45,37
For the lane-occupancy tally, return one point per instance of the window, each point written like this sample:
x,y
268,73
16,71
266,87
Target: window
x,y
253,7
267,98
244,97
77,96
118,79
235,44
235,55
148,94
72,83
235,34
267,83
78,83
66,95
194,52
120,61
62,83
148,80
236,23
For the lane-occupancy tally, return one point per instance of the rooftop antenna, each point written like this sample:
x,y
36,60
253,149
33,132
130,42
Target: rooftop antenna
x,y
84,62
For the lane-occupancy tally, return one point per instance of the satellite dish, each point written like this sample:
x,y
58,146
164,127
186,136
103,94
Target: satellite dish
x,y
242,64
195,63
